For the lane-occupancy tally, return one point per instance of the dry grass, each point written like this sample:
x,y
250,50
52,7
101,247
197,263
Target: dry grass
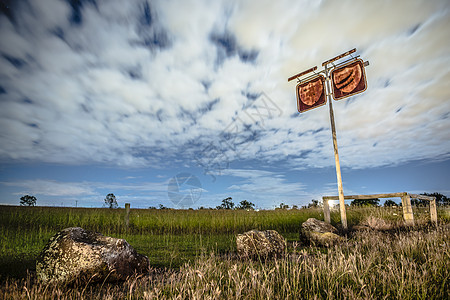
x,y
396,264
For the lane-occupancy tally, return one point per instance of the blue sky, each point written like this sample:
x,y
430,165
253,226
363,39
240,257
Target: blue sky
x,y
101,97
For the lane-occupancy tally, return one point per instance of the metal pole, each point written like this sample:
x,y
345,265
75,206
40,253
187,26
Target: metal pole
x,y
336,156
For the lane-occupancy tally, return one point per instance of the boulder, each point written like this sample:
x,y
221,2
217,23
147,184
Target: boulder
x,y
257,243
318,226
78,255
319,233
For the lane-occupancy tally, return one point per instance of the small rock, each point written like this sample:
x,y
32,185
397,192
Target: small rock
x,y
326,239
319,233
318,226
260,243
78,255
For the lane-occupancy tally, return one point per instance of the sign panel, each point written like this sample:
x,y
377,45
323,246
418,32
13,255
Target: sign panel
x,y
311,94
348,80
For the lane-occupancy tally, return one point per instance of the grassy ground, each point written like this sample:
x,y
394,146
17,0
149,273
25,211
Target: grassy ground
x,y
168,237
193,255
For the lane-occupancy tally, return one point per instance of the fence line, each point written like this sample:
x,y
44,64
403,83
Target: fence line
x,y
408,215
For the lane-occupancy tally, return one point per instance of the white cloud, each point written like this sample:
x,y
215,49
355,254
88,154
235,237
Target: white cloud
x,y
266,188
114,90
52,188
47,187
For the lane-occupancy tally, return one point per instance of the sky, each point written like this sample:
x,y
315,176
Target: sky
x,y
186,103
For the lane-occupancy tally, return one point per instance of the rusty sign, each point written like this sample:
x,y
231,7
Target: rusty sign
x,y
311,94
348,80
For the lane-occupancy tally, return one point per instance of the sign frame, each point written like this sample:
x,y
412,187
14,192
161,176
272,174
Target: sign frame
x,y
301,104
343,95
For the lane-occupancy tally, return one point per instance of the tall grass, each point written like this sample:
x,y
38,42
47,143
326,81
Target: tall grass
x,y
168,237
403,264
153,221
193,255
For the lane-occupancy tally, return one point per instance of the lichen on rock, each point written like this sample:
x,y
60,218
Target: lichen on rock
x,y
257,243
78,255
319,233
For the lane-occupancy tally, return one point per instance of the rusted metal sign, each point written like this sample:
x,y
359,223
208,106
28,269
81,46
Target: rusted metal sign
x,y
348,80
311,94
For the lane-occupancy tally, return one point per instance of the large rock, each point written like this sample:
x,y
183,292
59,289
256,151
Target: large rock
x,y
319,233
78,255
318,226
260,243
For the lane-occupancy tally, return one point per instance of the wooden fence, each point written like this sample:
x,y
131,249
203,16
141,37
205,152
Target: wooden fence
x,y
406,204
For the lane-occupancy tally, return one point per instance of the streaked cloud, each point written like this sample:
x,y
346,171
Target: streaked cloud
x,y
139,84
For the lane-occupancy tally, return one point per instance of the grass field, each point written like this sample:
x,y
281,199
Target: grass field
x,y
192,253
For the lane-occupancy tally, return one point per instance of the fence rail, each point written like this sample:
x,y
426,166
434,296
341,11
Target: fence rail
x,y
408,215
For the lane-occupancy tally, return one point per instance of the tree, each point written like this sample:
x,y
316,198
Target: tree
x,y
365,202
390,203
244,204
314,204
283,206
111,201
418,202
227,203
440,199
28,200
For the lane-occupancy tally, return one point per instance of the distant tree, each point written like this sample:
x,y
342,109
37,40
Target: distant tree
x,y
227,203
283,206
151,207
28,200
111,201
365,202
440,199
244,204
294,207
314,204
418,202
390,203
162,207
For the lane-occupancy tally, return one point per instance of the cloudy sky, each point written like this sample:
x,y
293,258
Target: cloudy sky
x,y
112,96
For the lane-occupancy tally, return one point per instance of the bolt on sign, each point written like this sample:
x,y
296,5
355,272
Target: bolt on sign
x,y
348,80
311,94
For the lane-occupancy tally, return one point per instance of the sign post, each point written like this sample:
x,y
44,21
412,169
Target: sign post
x,y
338,165
341,81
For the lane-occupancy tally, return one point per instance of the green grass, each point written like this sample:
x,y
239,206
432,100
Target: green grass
x,y
152,221
408,264
169,238
404,263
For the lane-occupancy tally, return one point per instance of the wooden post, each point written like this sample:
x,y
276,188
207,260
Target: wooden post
x,y
338,165
407,210
326,211
127,214
433,212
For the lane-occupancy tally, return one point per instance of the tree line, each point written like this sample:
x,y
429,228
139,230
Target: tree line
x,y
110,201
